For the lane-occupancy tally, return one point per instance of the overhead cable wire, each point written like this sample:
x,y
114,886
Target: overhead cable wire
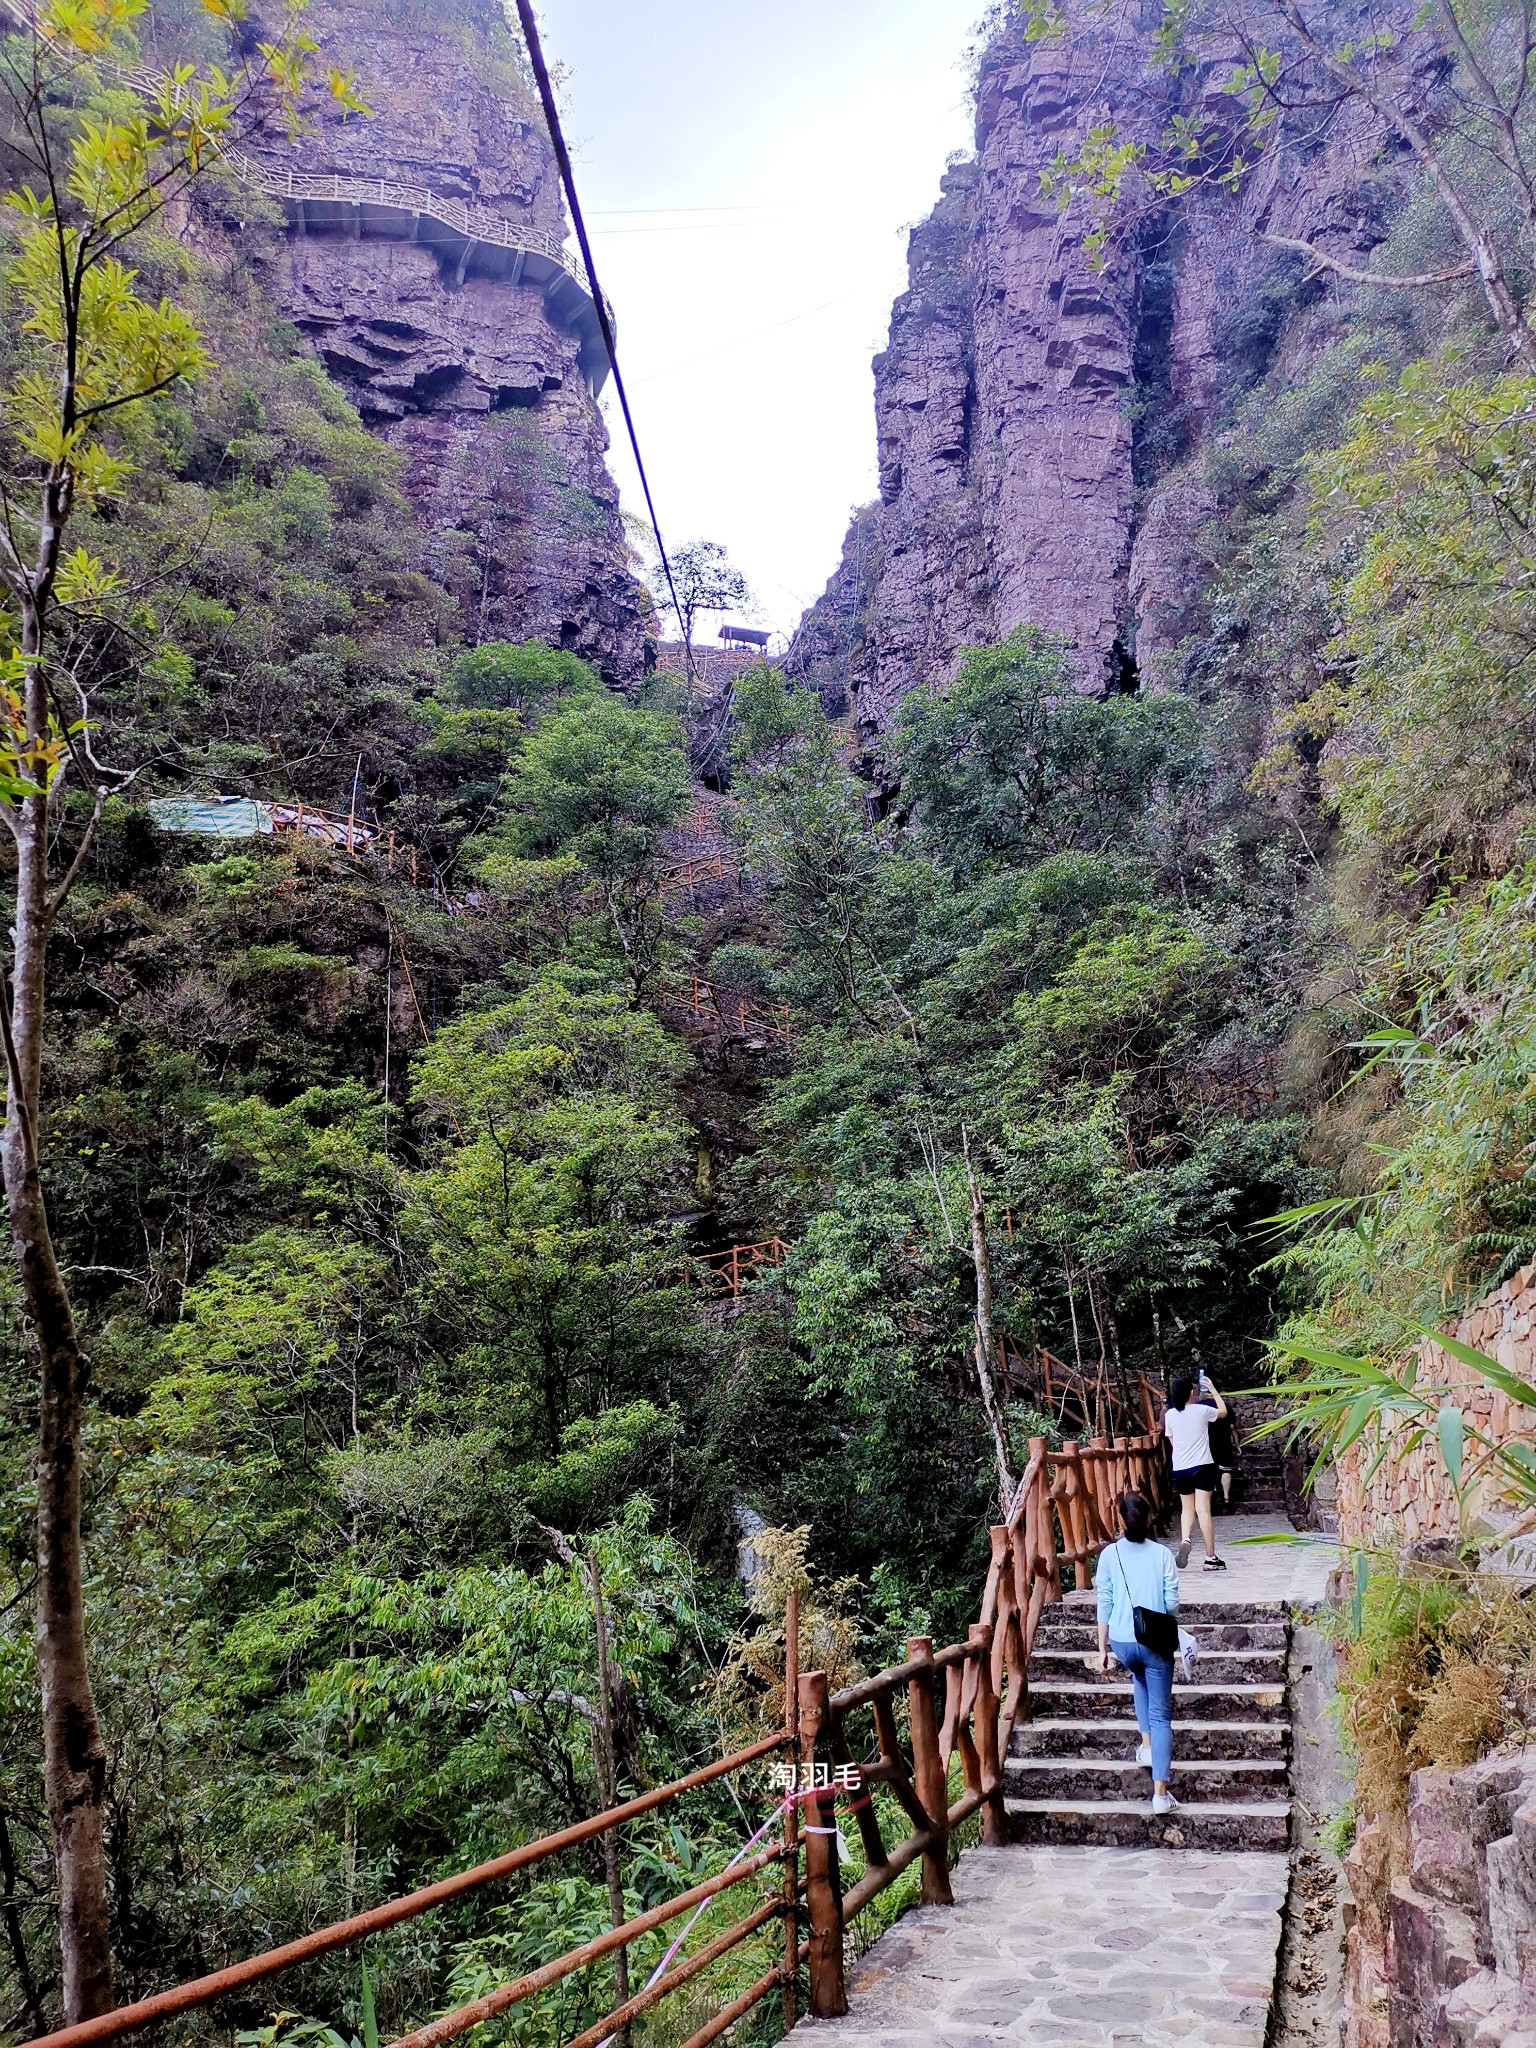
x,y
568,179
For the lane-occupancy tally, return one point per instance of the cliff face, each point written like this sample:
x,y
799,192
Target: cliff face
x,y
1042,429
1442,1951
420,253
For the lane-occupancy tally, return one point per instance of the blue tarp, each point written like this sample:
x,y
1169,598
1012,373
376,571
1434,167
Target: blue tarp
x,y
214,817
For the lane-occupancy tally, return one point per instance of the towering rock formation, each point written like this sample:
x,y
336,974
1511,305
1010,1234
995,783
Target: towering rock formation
x,y
420,249
1042,429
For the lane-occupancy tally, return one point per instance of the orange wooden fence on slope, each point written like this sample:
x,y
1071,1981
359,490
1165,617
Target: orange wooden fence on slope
x,y
1062,1514
715,1007
729,1271
718,865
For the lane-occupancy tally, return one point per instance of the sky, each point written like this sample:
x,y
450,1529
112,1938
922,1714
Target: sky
x,y
749,173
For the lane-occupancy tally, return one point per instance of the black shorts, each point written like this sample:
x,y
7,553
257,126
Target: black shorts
x,y
1223,1450
1198,1479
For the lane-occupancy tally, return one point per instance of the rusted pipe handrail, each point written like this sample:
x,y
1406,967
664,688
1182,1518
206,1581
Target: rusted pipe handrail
x,y
202,1991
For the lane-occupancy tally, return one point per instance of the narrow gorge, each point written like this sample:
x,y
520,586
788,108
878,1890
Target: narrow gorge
x,y
604,1241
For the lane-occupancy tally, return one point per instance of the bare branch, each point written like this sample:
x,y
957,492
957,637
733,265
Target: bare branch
x,y
1324,261
76,867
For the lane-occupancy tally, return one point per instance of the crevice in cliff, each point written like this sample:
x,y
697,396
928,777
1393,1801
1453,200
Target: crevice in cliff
x,y
1160,430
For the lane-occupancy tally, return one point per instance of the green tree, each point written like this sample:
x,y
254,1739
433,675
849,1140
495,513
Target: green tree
x,y
1010,764
497,676
1424,513
705,580
600,782
91,348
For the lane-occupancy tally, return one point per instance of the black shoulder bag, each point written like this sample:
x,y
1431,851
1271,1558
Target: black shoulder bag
x,y
1155,1631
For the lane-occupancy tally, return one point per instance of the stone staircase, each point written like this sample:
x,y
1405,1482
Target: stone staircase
x,y
1261,1483
1071,1774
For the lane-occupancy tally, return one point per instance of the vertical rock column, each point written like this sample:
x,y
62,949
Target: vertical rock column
x,y
472,369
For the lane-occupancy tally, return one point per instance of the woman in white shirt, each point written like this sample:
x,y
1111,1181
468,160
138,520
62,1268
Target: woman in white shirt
x,y
1187,1426
1132,1573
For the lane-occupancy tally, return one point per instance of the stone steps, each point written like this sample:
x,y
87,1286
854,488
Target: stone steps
x,y
1229,1741
1080,1632
1128,1824
1212,1667
1218,1780
1076,1610
1070,1775
1110,1700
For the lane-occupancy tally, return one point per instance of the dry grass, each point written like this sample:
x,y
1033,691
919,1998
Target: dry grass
x,y
1442,1671
1462,1713
751,1681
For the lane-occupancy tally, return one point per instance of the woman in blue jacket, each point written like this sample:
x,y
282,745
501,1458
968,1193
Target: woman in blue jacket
x,y
1135,1572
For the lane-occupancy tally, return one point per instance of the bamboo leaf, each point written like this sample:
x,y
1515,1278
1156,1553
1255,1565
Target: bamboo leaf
x,y
370,2022
1452,1431
1497,1375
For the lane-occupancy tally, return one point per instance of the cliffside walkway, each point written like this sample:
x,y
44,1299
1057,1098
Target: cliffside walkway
x,y
464,238
1115,1927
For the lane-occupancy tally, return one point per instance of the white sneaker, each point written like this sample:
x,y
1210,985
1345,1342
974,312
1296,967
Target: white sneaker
x,y
1144,1755
1163,1802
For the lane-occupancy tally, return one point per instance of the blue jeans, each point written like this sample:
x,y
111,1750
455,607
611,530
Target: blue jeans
x,y
1152,1683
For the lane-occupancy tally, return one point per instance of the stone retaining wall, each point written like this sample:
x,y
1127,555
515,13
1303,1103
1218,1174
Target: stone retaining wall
x,y
1445,1956
1409,1499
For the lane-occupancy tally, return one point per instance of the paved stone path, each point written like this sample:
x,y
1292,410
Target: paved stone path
x,y
1079,1948
1295,1571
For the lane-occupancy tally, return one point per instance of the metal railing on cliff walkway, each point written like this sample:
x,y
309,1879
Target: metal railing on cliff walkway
x,y
463,237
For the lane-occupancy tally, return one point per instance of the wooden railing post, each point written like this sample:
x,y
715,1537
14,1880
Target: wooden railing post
x,y
1100,1481
1039,1536
791,1963
928,1775
823,1895
994,1832
1074,1519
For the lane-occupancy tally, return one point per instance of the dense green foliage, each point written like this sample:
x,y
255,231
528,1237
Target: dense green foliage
x,y
383,1200
990,983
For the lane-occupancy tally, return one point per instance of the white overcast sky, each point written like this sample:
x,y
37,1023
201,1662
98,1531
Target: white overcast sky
x,y
749,172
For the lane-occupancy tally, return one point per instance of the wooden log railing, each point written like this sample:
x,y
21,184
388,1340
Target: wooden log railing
x,y
1128,1402
1062,1514
728,1271
718,864
1059,1518
715,1007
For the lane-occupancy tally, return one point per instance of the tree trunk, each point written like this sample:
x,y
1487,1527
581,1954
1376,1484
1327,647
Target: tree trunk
x,y
603,1743
985,1347
74,1755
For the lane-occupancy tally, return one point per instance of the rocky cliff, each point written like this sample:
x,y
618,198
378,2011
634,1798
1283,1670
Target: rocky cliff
x,y
1042,429
1442,1955
419,250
